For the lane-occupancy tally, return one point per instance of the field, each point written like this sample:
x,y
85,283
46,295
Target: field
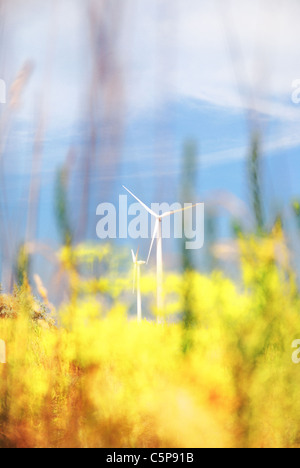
x,y
220,374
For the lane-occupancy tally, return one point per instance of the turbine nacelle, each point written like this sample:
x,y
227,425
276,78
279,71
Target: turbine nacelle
x,y
137,264
135,258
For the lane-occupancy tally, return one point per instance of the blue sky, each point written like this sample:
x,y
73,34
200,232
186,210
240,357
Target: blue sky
x,y
190,69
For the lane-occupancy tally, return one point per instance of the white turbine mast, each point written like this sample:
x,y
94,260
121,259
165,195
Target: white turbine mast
x,y
137,281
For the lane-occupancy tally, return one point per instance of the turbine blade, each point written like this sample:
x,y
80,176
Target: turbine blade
x,y
133,256
141,203
169,213
137,254
153,237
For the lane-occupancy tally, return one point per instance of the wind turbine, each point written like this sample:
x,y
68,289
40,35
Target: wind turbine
x,y
159,260
137,281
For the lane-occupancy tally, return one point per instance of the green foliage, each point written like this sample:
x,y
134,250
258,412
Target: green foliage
x,y
254,174
61,208
296,210
223,379
22,265
188,189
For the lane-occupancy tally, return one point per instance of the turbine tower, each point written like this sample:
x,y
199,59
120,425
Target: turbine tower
x,y
137,281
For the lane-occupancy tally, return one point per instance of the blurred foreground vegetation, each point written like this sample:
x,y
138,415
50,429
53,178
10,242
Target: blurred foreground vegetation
x,y
89,375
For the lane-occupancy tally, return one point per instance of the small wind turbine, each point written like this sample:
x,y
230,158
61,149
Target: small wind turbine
x,y
137,281
159,260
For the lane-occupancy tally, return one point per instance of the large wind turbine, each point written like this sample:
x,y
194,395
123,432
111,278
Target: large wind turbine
x,y
159,260
137,281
